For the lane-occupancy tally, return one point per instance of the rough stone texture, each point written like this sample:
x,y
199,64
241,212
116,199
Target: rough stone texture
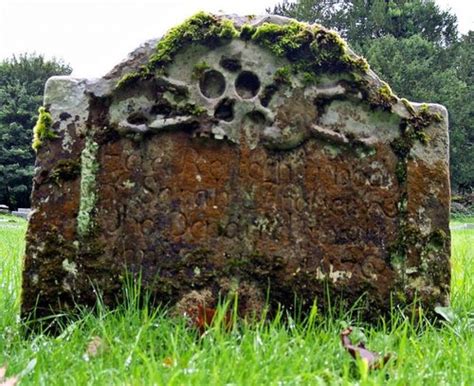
x,y
215,178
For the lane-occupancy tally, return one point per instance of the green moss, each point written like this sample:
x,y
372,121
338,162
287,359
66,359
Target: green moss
x,y
42,129
201,28
283,75
89,169
309,78
129,79
359,63
413,129
311,49
283,40
437,240
382,97
199,69
65,170
428,117
401,171
247,31
329,47
408,106
191,109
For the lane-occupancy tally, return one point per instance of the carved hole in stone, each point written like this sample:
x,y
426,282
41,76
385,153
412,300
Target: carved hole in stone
x,y
225,110
137,118
267,94
161,108
247,84
212,84
230,63
256,117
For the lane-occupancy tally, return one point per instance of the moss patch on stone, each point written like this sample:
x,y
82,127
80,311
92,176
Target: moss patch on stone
x,y
202,28
42,129
199,69
310,48
89,168
283,75
413,129
383,97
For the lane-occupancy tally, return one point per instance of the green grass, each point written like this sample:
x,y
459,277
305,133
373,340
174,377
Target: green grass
x,y
462,219
145,347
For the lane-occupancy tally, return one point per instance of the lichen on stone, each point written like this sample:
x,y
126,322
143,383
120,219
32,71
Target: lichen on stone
x,y
42,129
89,169
70,267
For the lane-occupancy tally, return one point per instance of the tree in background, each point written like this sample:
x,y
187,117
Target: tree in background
x,y
22,81
416,48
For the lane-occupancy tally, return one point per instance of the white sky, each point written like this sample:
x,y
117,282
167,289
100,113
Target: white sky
x,y
94,35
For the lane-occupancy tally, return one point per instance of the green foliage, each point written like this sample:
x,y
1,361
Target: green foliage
x,y
42,129
359,21
22,82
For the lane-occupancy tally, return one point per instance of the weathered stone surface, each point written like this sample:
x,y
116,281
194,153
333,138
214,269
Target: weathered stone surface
x,y
249,155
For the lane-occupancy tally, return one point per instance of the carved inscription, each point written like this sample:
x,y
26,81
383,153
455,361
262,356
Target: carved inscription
x,y
184,191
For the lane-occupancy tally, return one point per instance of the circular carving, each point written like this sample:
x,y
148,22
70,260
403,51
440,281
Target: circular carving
x,y
247,84
212,84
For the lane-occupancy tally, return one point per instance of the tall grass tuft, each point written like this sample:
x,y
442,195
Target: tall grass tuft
x,y
139,345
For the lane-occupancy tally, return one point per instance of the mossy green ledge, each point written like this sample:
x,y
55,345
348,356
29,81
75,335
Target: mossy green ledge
x,y
247,155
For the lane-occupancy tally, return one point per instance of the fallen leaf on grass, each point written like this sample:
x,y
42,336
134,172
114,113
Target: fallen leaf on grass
x,y
373,360
202,318
12,381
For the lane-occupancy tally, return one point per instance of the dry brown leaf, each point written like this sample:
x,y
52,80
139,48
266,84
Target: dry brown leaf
x,y
12,381
373,360
202,318
96,346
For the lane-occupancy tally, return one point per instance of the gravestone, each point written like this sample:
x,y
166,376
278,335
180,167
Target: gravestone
x,y
22,212
255,156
